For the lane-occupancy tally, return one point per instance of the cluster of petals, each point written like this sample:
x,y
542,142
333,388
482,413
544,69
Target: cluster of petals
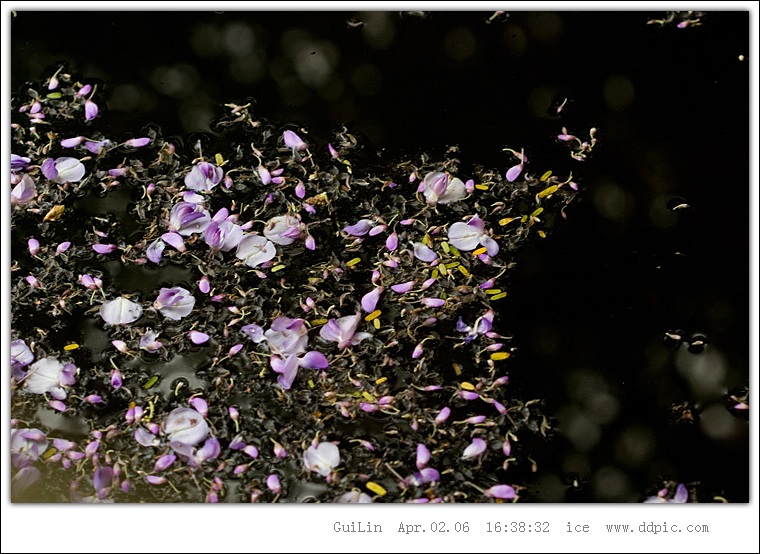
x,y
439,188
63,170
174,303
204,177
343,331
322,458
468,236
49,375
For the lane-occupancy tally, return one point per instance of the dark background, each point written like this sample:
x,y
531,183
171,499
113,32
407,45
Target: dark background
x,y
589,305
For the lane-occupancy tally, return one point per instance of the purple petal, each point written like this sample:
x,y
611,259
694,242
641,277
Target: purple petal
x,y
138,142
504,492
314,360
424,253
200,405
293,141
57,405
330,331
209,451
369,300
197,337
391,243
90,110
175,240
433,302
164,462
49,169
403,288
475,449
514,172
360,228
443,415
72,142
423,456
155,251
104,248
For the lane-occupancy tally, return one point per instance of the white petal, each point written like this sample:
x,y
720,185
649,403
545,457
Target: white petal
x,y
120,311
464,237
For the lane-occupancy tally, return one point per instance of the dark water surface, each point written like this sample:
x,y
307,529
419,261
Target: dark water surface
x,y
588,307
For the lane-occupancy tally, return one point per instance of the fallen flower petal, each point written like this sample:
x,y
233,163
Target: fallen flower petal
x,y
120,311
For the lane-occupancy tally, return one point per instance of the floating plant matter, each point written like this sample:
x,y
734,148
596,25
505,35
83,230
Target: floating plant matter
x,y
336,320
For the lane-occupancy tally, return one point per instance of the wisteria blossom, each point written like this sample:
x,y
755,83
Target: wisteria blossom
x,y
27,446
187,218
482,326
255,250
24,192
204,177
149,343
223,235
681,496
468,236
174,303
19,163
287,336
49,375
343,331
283,229
322,459
120,311
288,368
21,356
63,170
440,188
185,426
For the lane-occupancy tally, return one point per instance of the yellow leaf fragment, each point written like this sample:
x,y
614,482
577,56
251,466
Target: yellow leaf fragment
x,y
496,356
55,213
373,315
547,191
377,489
